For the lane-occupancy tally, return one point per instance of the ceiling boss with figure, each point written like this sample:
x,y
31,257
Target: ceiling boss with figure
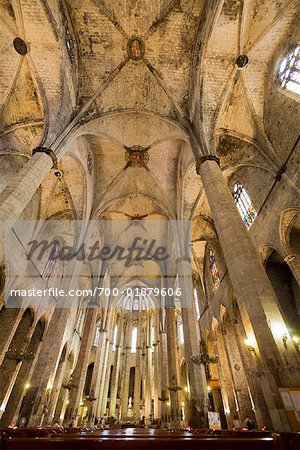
x,y
136,48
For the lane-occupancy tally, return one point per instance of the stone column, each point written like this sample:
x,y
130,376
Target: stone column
x,y
17,379
255,295
9,321
56,389
17,194
107,369
96,376
163,366
157,378
61,403
116,367
14,357
260,408
79,374
126,368
138,359
238,373
147,370
102,374
294,265
106,382
19,387
173,364
163,347
227,384
198,398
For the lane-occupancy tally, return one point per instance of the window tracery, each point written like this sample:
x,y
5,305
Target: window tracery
x,y
289,71
244,205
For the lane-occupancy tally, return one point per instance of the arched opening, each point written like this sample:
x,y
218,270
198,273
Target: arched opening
x,y
88,379
286,290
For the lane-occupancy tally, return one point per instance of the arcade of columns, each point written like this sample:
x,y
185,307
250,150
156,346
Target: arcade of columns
x,y
46,384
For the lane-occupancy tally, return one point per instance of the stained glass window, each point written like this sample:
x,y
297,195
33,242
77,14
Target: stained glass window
x,y
152,337
133,340
289,71
214,270
89,164
97,334
70,45
244,205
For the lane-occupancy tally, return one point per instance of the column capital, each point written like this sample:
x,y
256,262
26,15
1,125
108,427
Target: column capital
x,y
202,159
48,152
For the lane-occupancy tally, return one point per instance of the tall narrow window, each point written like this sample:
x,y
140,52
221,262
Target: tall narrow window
x,y
196,303
70,45
214,270
115,337
97,334
152,336
289,71
80,320
49,266
133,340
244,205
180,332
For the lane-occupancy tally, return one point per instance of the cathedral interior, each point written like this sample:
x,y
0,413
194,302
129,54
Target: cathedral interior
x,y
166,122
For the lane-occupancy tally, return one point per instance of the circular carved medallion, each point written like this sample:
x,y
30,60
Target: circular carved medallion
x,y
135,48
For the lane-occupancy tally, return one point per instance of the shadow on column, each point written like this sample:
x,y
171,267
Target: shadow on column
x,y
20,383
286,289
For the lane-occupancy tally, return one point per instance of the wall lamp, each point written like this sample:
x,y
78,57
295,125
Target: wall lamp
x,y
280,331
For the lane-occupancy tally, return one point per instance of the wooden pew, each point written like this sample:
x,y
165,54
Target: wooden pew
x,y
81,443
